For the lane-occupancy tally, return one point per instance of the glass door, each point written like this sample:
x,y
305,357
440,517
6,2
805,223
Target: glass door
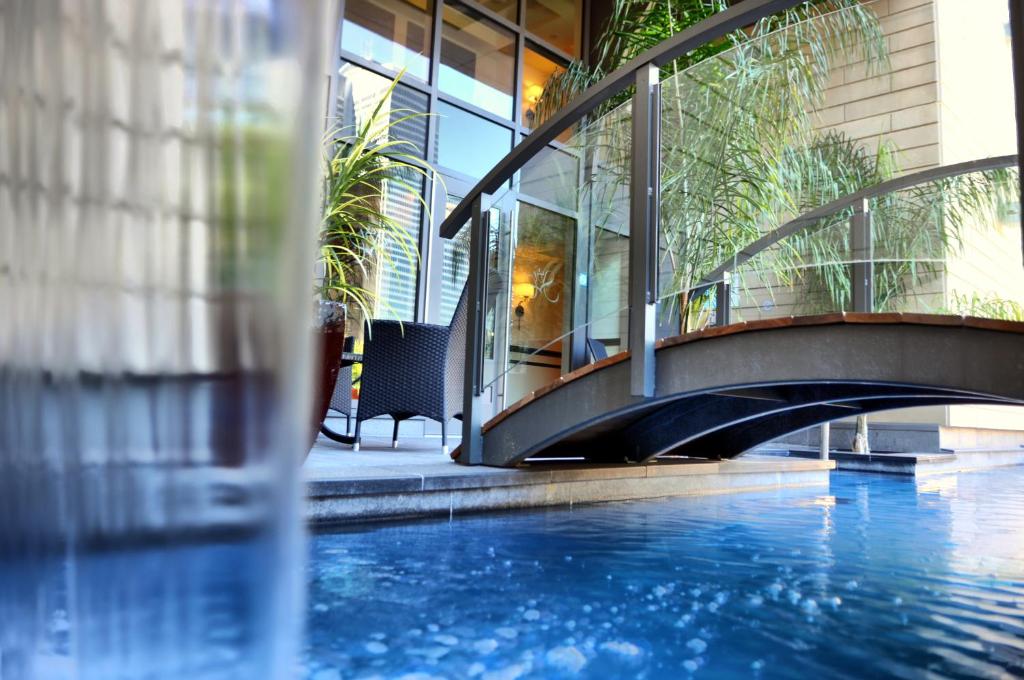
x,y
450,281
540,306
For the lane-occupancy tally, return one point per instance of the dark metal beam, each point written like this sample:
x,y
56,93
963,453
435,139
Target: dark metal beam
x,y
723,303
731,440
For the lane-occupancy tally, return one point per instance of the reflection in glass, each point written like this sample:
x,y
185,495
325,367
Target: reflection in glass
x,y
477,60
506,8
394,280
359,92
558,22
605,211
395,277
393,33
552,176
468,144
541,302
455,271
609,286
537,69
455,267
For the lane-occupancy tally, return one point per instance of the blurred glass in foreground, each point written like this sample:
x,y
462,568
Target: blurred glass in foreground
x,y
157,209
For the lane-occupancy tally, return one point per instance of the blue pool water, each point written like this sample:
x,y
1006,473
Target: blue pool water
x,y
876,576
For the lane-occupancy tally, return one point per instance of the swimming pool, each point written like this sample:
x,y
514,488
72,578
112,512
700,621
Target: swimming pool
x,y
876,576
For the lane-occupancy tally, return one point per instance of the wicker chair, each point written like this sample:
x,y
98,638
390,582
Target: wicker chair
x,y
414,369
341,398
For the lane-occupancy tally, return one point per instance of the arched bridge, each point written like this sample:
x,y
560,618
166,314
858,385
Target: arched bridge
x,y
726,389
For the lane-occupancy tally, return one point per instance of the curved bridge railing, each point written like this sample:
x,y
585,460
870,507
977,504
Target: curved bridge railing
x,y
791,367
636,143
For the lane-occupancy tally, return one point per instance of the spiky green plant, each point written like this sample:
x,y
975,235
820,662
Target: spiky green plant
x,y
987,306
914,230
358,235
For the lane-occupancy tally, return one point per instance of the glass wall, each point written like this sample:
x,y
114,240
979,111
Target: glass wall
x,y
392,33
557,23
478,67
477,60
541,300
537,69
358,93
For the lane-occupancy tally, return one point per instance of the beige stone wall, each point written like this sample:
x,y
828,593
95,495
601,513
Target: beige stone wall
x,y
947,98
900,105
977,120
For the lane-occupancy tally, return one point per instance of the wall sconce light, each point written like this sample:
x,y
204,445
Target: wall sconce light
x,y
523,291
532,94
526,291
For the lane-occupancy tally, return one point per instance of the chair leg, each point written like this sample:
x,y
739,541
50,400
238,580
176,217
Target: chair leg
x,y
444,437
348,423
394,435
355,446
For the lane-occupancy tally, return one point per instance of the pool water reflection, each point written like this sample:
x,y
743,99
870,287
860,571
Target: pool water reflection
x,y
876,576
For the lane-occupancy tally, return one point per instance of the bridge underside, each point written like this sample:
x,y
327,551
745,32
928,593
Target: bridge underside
x,y
723,391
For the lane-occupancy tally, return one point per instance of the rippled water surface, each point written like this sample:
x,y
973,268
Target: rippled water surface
x,y
876,576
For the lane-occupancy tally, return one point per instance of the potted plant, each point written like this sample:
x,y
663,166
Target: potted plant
x,y
359,236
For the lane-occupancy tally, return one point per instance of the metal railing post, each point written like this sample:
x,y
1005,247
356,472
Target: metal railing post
x,y
472,395
643,230
826,437
862,254
723,297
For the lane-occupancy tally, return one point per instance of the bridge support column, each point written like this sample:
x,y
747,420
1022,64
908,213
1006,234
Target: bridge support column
x,y
472,395
644,202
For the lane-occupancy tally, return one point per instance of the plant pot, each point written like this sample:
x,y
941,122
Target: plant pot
x,y
328,345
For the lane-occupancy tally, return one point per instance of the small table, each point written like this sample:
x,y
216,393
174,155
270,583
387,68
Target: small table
x,y
347,359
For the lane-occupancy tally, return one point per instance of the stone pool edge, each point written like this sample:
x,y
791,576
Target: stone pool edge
x,y
433,493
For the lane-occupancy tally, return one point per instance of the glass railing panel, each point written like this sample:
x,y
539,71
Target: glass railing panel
x,y
807,273
951,246
947,247
782,122
604,213
566,275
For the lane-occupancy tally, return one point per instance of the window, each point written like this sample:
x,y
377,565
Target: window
x,y
468,144
557,22
395,277
477,60
552,176
506,8
537,69
359,91
392,33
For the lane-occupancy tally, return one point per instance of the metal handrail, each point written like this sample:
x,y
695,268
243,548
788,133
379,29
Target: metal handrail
x,y
850,200
712,28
